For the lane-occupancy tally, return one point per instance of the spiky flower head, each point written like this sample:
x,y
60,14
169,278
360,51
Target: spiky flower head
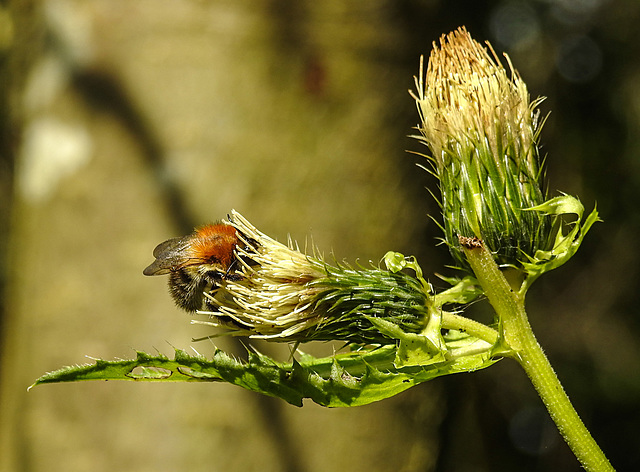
x,y
281,294
482,132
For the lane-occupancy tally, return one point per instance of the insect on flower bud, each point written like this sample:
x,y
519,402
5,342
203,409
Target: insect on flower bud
x,y
482,132
242,281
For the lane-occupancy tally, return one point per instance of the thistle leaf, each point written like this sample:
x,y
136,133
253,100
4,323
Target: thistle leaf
x,y
342,380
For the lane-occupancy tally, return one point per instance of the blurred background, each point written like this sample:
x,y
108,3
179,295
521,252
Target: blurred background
x,y
126,123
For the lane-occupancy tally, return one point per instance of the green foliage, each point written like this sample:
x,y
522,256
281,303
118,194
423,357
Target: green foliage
x,y
347,379
564,246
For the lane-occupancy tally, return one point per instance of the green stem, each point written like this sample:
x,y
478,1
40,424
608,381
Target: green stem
x,y
518,335
474,328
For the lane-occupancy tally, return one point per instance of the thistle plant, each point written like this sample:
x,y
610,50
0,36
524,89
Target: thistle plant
x,y
482,131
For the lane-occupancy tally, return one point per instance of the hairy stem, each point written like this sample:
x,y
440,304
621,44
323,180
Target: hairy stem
x,y
518,335
474,328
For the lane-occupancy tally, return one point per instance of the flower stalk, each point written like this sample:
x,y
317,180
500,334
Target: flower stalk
x,y
523,346
482,131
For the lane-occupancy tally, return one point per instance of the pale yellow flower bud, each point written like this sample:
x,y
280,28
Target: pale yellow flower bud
x,y
482,131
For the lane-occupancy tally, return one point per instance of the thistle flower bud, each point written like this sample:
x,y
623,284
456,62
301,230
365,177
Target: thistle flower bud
x,y
281,294
482,132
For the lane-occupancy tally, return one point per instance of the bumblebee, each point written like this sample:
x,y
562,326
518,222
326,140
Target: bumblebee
x,y
197,263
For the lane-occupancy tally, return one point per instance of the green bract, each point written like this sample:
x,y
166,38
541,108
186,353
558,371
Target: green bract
x,y
564,246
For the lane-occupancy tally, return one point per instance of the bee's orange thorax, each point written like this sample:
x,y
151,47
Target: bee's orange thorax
x,y
214,243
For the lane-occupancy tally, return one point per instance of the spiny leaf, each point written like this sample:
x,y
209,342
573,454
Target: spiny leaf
x,y
346,379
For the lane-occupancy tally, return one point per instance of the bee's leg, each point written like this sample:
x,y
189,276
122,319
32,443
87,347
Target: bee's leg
x,y
230,274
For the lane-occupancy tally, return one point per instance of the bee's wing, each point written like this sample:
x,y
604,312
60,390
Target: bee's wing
x,y
169,255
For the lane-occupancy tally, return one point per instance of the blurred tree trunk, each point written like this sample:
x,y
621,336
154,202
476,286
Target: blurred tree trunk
x,y
139,121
